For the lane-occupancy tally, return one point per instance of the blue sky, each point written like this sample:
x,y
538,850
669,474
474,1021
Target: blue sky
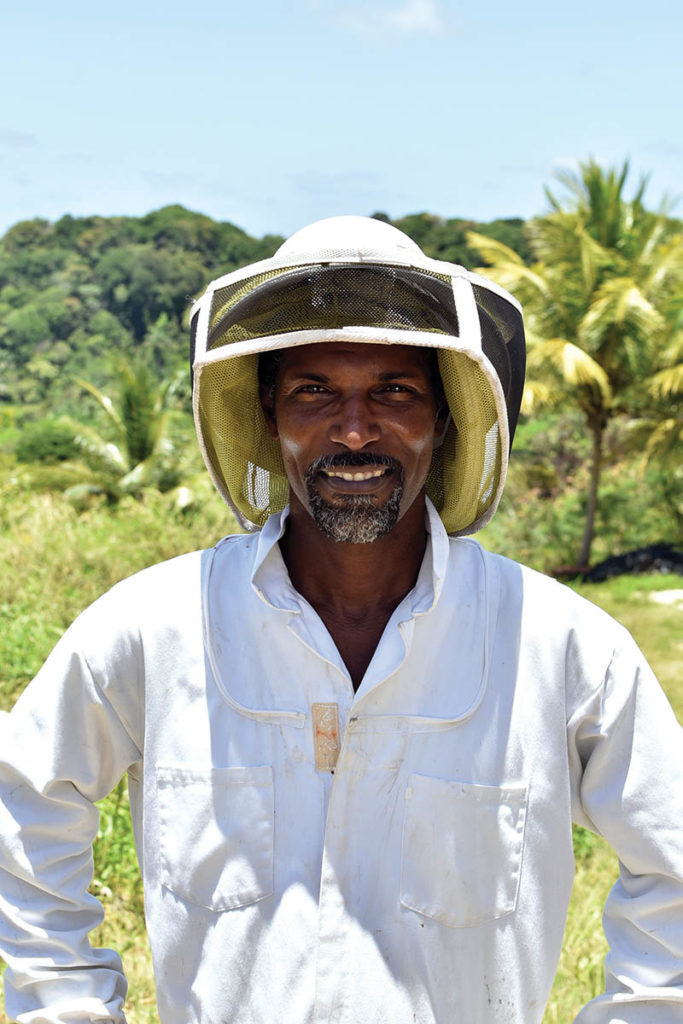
x,y
274,113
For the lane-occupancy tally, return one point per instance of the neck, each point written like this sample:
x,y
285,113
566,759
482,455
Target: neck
x,y
354,581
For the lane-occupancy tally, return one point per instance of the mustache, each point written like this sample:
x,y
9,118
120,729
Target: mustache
x,y
353,460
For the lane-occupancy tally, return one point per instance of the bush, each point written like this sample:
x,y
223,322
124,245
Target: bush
x,y
48,441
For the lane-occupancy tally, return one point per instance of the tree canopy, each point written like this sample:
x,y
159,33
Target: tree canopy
x,y
86,301
602,297
82,292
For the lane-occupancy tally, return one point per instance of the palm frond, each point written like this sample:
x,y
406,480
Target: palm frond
x,y
537,394
492,250
662,267
506,267
103,400
576,367
667,383
664,440
63,476
593,258
619,304
97,451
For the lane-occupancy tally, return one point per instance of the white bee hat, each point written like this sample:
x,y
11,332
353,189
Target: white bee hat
x,y
358,279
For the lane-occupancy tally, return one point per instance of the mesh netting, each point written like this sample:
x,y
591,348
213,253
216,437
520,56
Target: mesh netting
x,y
464,476
500,320
358,298
330,298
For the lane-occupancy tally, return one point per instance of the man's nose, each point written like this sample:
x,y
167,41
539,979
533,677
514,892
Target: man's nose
x,y
354,426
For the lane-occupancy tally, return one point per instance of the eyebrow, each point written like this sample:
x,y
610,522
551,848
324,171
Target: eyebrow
x,y
401,375
321,378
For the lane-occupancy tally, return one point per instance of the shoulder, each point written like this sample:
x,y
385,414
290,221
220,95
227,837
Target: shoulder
x,y
166,594
519,582
547,614
154,587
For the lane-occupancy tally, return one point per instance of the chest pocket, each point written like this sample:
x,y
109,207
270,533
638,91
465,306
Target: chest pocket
x,y
462,850
216,834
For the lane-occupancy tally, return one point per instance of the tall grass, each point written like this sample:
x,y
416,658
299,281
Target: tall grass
x,y
54,562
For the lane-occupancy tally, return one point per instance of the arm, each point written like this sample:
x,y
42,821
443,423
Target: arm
x,y
65,745
626,756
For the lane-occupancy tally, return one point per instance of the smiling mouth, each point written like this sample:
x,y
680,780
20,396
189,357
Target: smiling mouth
x,y
357,475
353,474
345,495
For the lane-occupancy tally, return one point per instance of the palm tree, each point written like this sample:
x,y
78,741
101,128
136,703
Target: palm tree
x,y
599,298
658,432
134,453
138,420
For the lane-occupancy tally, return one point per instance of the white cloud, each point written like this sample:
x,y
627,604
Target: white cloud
x,y
373,19
416,16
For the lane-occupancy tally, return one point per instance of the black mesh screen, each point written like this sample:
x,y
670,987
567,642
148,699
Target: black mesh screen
x,y
502,337
332,297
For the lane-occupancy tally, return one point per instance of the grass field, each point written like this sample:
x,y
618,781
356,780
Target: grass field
x,y
54,562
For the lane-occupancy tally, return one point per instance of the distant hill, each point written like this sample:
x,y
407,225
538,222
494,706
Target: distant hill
x,y
78,292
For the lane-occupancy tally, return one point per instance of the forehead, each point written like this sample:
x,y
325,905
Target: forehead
x,y
358,359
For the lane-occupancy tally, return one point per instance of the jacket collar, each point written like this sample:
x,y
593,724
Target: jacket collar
x,y
271,581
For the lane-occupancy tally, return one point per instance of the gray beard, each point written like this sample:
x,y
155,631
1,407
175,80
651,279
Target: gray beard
x,y
355,520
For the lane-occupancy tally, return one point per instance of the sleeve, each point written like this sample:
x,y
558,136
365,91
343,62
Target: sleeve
x,y
626,757
67,742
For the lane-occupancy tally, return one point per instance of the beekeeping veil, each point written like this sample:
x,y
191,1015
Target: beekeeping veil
x,y
358,279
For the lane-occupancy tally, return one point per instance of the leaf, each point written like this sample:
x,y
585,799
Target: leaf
x,y
506,266
664,440
576,367
103,400
537,394
620,310
667,382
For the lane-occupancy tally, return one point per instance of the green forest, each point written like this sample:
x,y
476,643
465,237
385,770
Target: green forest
x,y
100,473
94,380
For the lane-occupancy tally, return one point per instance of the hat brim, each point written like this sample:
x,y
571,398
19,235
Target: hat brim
x,y
475,327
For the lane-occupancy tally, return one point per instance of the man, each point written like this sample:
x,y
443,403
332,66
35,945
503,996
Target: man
x,y
355,745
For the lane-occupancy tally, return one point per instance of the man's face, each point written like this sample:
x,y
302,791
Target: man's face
x,y
357,424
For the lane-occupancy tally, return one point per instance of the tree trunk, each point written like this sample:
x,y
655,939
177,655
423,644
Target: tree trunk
x,y
597,429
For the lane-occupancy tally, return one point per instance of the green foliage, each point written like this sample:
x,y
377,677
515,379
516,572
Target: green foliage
x,y
540,518
55,561
115,860
104,285
48,441
603,300
110,284
140,282
448,239
584,843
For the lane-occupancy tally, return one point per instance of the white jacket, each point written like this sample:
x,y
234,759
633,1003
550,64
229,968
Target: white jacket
x,y
426,880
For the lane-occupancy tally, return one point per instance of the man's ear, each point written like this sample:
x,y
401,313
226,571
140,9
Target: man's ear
x,y
267,398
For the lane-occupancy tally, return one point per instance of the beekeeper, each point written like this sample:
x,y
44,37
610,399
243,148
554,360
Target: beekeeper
x,y
355,740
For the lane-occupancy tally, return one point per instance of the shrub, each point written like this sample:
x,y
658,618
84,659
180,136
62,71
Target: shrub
x,y
48,441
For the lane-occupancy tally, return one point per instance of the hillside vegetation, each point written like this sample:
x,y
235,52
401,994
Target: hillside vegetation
x,y
94,382
79,291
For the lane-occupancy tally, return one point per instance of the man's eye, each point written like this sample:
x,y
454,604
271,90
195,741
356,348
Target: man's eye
x,y
396,389
311,389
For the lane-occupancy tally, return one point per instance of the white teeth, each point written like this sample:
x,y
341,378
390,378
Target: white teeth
x,y
368,474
